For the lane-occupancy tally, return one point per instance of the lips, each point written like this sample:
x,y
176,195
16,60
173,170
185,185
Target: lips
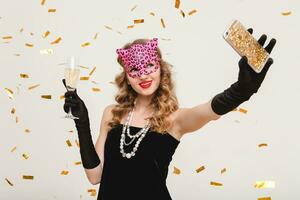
x,y
145,84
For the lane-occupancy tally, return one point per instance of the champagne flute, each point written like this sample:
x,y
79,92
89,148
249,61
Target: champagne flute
x,y
71,76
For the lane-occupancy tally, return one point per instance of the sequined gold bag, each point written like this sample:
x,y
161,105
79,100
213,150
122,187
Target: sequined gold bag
x,y
246,45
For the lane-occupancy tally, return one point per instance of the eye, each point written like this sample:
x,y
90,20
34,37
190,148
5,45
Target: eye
x,y
150,65
133,69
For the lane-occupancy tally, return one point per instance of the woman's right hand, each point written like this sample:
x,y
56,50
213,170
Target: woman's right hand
x,y
78,107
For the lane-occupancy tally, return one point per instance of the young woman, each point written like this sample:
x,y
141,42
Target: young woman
x,y
140,133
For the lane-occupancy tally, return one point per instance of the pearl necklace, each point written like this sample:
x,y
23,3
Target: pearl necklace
x,y
140,135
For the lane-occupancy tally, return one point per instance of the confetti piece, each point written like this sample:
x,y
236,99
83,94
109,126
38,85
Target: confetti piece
x,y
16,54
264,198
83,67
84,78
24,76
134,7
27,130
13,149
34,86
286,13
31,33
200,169
95,82
17,119
25,156
62,97
96,89
131,26
21,30
85,44
152,13
46,96
138,21
46,51
162,23
52,10
13,110
29,45
176,170
56,41
77,143
46,34
264,184
7,37
182,13
9,93
109,28
215,183
223,170
71,131
119,32
242,110
177,3
263,145
27,177
10,183
92,191
64,172
93,70
68,143
43,2
77,163
96,36
192,12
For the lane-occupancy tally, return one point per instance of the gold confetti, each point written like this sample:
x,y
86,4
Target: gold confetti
x,y
109,28
27,130
182,13
64,172
176,170
85,44
264,198
25,156
9,93
131,26
138,21
27,177
31,33
263,145
56,41
7,37
84,78
177,3
29,45
96,36
286,13
13,149
152,13
34,86
223,170
77,143
24,76
264,184
162,23
10,183
13,110
21,30
62,97
17,54
93,192
46,51
77,163
96,89
192,12
17,119
215,183
242,110
134,7
68,143
52,10
46,34
43,2
200,169
46,96
83,67
90,74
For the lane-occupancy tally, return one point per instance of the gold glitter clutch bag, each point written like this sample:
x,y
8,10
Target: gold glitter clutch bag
x,y
246,45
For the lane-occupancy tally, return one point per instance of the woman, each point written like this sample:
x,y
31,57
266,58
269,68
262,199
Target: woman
x,y
139,135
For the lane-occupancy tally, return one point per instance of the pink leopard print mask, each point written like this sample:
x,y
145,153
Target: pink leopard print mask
x,y
140,59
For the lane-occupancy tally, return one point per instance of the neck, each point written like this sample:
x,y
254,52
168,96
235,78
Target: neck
x,y
143,104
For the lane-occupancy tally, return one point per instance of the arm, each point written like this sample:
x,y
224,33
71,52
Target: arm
x,y
192,119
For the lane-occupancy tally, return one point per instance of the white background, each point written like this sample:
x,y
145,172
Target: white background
x,y
204,65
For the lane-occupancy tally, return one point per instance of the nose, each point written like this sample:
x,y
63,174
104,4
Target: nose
x,y
143,76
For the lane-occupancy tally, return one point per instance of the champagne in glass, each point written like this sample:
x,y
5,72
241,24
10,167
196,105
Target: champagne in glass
x,y
72,77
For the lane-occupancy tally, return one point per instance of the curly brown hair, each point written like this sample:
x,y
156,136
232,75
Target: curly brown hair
x,y
164,101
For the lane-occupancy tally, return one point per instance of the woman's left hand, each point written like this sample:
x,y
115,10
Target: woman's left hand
x,y
248,79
